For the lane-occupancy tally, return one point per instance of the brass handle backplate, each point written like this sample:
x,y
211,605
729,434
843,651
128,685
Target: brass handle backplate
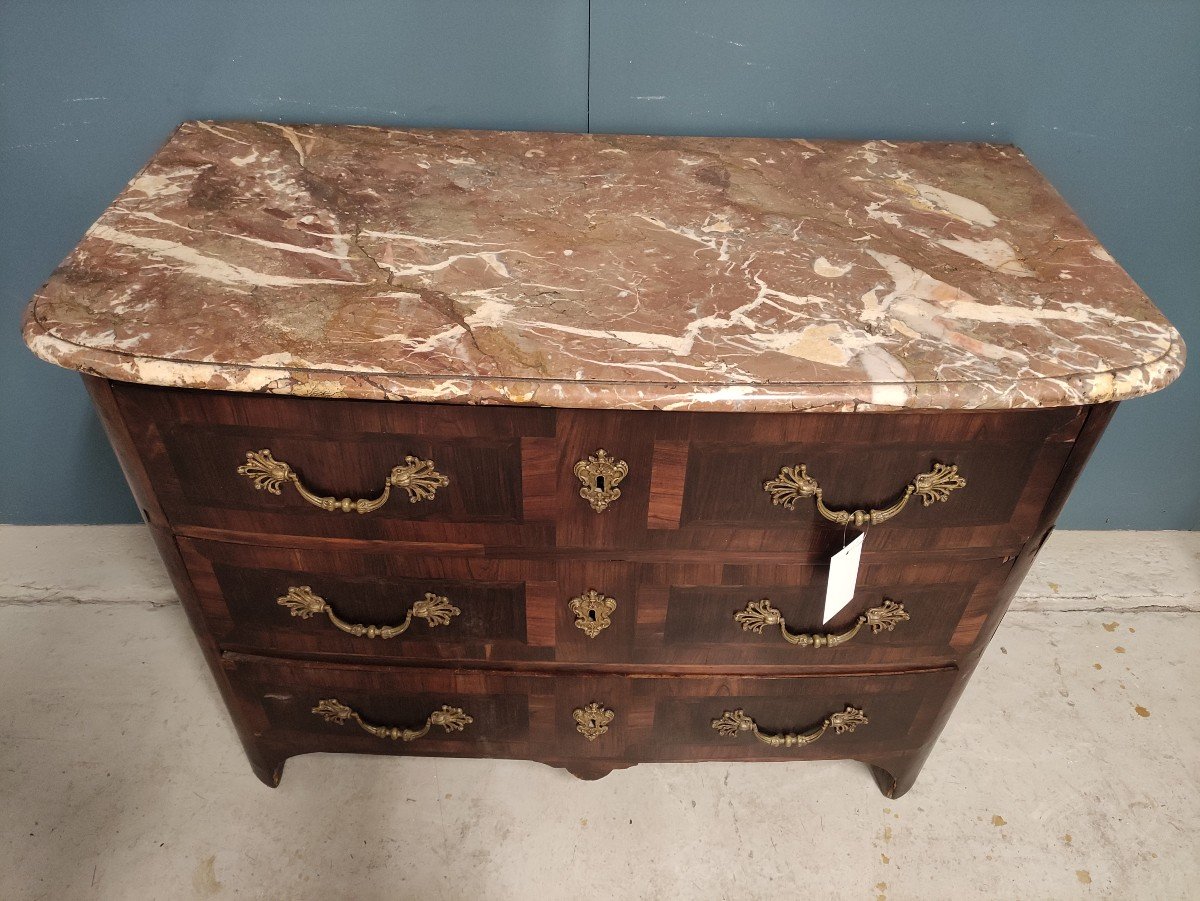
x,y
434,609
794,483
416,477
600,475
452,719
592,721
760,614
736,721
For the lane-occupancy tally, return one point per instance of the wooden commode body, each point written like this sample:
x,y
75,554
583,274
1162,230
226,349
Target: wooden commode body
x,y
539,446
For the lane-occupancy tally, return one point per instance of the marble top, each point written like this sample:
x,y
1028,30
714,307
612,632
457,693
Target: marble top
x,y
677,273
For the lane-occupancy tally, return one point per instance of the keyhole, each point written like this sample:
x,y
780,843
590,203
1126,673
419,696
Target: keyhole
x,y
600,483
592,615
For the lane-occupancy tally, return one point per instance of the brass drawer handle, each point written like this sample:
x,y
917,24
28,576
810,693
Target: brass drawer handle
x,y
794,483
433,608
735,721
593,612
600,475
760,614
592,721
417,477
452,719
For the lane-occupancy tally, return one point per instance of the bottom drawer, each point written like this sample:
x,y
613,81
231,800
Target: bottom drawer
x,y
586,722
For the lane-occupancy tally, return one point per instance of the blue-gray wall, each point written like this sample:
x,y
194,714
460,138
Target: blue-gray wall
x,y
1104,96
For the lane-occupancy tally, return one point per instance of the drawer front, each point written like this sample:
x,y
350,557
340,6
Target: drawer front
x,y
303,706
699,482
642,483
285,600
778,718
901,614
427,473
431,608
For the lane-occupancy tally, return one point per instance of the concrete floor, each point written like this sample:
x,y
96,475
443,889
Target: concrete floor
x,y
1071,768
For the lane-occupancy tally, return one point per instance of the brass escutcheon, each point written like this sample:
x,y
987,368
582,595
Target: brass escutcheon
x,y
600,475
592,721
593,612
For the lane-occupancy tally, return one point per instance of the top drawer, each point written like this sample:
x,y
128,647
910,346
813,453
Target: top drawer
x,y
428,472
701,481
496,478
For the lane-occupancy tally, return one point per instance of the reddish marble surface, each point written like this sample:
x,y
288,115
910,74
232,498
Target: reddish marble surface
x,y
600,271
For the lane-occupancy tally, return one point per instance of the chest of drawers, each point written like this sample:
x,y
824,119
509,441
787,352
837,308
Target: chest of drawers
x,y
539,446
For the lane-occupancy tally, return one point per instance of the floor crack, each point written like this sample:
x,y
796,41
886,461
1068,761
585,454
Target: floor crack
x,y
1108,608
75,601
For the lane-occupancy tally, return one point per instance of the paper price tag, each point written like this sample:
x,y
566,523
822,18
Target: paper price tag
x,y
843,578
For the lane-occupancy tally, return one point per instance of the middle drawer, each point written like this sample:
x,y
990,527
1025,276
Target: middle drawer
x,y
504,610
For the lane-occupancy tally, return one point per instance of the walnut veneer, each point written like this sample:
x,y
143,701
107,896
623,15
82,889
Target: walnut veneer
x,y
509,542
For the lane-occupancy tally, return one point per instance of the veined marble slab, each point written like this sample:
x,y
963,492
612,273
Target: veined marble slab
x,y
601,271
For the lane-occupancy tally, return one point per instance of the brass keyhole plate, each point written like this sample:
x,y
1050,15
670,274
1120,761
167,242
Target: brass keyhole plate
x,y
593,612
600,474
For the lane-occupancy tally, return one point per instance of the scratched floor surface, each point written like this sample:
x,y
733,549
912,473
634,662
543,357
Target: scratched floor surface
x,y
1070,770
